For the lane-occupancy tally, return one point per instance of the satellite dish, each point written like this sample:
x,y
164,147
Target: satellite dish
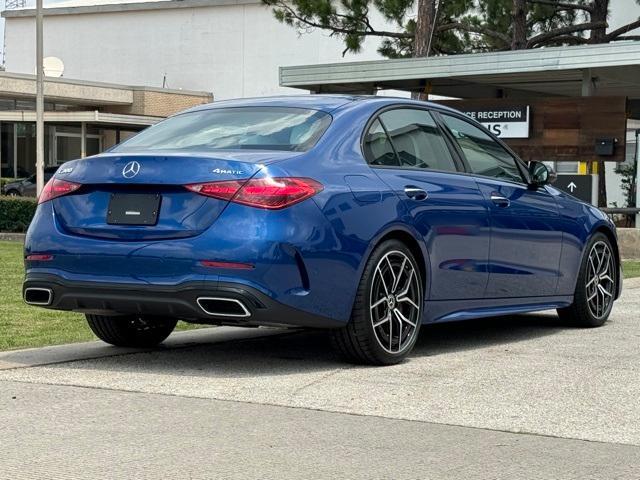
x,y
53,67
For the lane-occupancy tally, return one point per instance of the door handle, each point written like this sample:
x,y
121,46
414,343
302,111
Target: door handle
x,y
415,193
499,200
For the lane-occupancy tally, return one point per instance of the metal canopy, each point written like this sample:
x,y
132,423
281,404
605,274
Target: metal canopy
x,y
609,70
92,117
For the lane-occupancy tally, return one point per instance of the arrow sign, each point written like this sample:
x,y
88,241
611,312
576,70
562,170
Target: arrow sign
x,y
580,186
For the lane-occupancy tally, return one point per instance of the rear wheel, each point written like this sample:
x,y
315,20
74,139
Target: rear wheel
x,y
596,286
131,330
387,311
13,193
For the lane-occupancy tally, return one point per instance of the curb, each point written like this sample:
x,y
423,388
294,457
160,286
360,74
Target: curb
x,y
12,237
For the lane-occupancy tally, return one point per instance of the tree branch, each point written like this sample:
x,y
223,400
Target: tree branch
x,y
368,31
474,29
563,5
626,37
622,30
563,31
564,39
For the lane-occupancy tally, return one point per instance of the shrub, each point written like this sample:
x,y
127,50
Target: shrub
x,y
16,213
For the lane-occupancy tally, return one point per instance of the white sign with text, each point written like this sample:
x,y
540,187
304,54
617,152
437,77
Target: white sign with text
x,y
503,122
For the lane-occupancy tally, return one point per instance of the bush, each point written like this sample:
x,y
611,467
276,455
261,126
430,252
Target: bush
x,y
16,213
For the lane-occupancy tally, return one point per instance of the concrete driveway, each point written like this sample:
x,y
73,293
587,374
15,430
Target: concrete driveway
x,y
517,397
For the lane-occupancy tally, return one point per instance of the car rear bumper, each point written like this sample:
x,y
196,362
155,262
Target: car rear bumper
x,y
198,302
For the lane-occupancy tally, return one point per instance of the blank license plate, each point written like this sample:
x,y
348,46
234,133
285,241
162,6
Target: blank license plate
x,y
133,209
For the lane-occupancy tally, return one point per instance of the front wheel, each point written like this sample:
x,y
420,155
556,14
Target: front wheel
x,y
387,312
596,286
131,330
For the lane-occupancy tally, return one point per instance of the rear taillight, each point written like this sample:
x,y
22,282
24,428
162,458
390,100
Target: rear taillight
x,y
57,188
271,192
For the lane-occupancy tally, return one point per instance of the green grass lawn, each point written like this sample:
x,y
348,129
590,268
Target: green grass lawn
x,y
24,326
631,269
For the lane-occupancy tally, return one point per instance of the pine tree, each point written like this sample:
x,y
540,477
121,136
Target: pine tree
x,y
419,28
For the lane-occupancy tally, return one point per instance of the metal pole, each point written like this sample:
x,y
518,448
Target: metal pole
x,y
39,101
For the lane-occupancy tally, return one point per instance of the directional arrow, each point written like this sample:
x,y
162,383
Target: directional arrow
x,y
572,186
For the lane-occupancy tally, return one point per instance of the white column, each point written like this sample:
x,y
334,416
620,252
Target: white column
x,y
83,140
15,148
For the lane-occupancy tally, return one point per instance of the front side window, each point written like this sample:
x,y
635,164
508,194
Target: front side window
x,y
417,139
484,155
233,128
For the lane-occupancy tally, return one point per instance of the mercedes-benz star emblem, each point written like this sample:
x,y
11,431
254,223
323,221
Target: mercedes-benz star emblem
x,y
131,169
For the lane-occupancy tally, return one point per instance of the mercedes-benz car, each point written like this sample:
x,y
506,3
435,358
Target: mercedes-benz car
x,y
26,187
368,216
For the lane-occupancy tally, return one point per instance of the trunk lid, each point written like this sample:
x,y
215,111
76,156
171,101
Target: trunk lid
x,y
181,213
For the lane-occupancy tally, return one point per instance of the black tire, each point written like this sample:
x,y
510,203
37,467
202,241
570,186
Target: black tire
x,y
358,342
581,313
131,330
13,193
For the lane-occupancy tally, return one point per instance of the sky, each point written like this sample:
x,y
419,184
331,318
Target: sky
x,y
622,11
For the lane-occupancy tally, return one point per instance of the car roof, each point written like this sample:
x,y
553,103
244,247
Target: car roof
x,y
323,102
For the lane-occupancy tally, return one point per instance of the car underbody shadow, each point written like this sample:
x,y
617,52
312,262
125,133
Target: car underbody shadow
x,y
443,338
295,352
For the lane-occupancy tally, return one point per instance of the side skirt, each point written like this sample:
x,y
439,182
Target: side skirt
x,y
452,310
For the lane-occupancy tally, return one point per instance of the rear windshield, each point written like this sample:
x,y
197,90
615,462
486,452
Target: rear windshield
x,y
246,128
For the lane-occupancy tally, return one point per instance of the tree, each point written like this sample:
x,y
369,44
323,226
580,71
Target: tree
x,y
418,28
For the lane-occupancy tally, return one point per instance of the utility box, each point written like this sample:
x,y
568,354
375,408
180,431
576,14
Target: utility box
x,y
605,147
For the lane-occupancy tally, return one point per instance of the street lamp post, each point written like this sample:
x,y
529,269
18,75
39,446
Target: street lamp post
x,y
39,101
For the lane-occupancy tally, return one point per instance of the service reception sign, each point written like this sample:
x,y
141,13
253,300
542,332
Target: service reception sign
x,y
504,122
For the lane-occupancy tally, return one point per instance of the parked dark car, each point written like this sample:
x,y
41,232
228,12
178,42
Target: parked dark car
x,y
27,187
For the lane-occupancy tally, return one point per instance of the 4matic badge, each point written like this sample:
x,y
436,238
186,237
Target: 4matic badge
x,y
227,172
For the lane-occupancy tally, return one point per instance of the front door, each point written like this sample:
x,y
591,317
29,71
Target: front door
x,y
526,231
407,151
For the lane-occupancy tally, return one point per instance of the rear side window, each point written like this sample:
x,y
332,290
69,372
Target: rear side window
x,y
484,155
417,139
237,128
377,147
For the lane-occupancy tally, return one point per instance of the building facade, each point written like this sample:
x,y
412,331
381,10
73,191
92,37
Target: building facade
x,y
231,48
81,118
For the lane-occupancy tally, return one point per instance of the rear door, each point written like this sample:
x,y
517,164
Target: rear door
x,y
526,231
406,149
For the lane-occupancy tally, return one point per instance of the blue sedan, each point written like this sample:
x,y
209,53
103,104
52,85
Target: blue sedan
x,y
369,216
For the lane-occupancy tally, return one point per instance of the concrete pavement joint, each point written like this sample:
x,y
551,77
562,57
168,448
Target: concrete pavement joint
x,y
311,409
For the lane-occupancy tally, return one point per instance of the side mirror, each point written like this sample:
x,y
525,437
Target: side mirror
x,y
541,174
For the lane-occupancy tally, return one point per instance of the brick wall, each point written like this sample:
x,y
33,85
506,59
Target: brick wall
x,y
160,104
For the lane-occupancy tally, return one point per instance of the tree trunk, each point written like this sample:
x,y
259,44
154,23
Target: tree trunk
x,y
424,27
599,14
424,34
519,16
602,185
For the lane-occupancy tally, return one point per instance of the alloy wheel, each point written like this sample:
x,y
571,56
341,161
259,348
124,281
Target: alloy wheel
x,y
395,302
600,285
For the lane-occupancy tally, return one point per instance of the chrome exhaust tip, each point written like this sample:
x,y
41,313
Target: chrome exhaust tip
x,y
38,296
223,307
